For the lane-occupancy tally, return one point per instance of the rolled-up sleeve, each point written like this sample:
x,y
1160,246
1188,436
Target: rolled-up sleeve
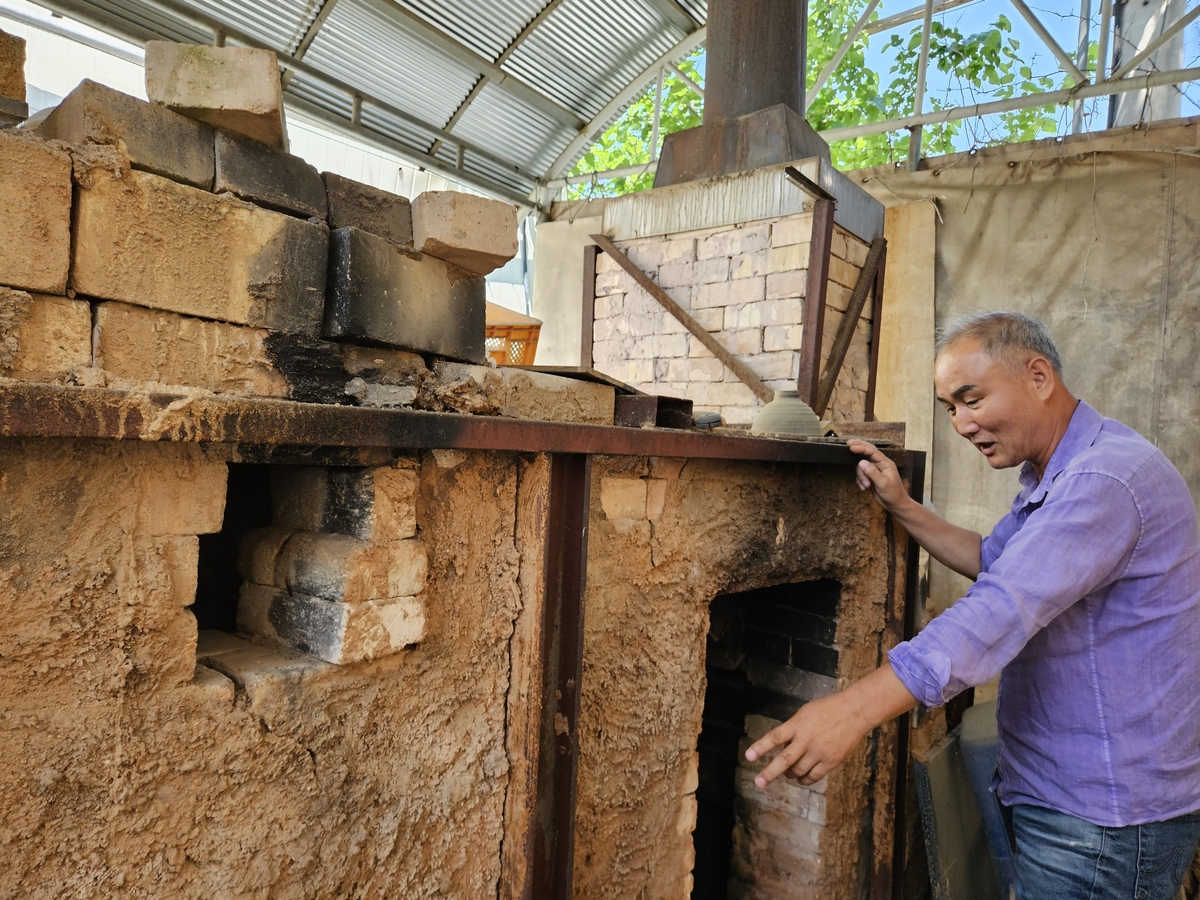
x,y
1080,539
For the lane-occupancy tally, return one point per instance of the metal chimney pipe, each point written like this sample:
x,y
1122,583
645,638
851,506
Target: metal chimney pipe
x,y
756,57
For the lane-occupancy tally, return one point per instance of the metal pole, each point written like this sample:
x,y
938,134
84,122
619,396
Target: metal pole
x,y
1106,12
1081,56
1050,98
831,66
682,76
914,134
657,116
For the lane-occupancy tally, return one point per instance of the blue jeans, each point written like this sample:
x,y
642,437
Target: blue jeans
x,y
1060,857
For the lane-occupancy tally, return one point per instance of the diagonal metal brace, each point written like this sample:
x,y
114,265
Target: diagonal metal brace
x,y
731,362
845,332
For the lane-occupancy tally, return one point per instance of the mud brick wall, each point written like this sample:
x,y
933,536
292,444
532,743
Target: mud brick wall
x,y
142,765
666,538
746,285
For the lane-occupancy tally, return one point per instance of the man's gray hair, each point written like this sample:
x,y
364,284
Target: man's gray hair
x,y
1010,336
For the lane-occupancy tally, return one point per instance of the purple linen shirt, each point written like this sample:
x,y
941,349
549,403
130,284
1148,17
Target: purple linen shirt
x,y
1089,605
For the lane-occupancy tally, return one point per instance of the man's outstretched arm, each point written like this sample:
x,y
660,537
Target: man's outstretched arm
x,y
954,547
822,732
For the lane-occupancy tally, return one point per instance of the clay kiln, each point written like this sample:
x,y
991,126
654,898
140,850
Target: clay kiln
x,y
305,601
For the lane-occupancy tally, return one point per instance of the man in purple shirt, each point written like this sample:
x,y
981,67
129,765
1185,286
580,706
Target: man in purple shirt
x,y
1086,600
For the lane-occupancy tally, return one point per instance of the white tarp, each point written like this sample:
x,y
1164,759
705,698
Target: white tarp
x,y
1103,246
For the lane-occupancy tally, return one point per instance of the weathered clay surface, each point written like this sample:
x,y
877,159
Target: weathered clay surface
x,y
234,87
43,338
146,240
151,346
12,66
532,395
722,527
35,207
262,773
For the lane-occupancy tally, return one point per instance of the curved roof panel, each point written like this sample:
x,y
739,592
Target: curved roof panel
x,y
502,94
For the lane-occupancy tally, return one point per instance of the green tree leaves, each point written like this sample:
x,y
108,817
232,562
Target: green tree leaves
x,y
978,67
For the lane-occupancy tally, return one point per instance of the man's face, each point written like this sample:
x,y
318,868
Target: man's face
x,y
995,405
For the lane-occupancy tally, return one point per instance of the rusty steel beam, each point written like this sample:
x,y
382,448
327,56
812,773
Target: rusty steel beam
x,y
552,865
819,249
845,332
913,473
731,362
55,411
876,332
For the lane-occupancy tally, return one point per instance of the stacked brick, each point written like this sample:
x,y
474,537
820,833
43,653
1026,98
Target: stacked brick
x,y
13,108
176,243
340,571
746,285
777,835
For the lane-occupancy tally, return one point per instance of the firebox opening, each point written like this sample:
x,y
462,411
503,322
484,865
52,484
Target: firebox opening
x,y
768,651
247,506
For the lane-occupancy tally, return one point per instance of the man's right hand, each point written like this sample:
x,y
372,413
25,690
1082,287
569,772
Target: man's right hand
x,y
879,474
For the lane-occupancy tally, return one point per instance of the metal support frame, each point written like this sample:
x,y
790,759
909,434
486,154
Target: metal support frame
x,y
915,132
876,331
683,76
1064,59
478,87
1081,57
591,131
552,865
820,248
658,91
838,56
1169,32
310,35
1050,98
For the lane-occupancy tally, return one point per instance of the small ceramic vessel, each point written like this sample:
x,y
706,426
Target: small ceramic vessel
x,y
787,414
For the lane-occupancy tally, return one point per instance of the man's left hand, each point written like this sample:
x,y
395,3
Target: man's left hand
x,y
818,738
824,731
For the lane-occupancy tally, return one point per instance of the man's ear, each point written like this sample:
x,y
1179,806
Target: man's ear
x,y
1042,373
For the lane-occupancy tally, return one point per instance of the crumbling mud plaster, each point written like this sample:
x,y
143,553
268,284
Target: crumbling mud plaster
x,y
132,771
664,540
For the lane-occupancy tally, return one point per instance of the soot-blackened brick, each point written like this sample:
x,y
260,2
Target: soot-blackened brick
x,y
267,176
769,645
803,625
356,205
815,658
817,597
156,139
378,293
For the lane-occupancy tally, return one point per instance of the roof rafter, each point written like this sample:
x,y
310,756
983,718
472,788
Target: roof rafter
x,y
676,15
504,55
485,66
589,132
309,36
86,12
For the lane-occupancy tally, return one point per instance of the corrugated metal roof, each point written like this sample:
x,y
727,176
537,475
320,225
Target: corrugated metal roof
x,y
427,69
